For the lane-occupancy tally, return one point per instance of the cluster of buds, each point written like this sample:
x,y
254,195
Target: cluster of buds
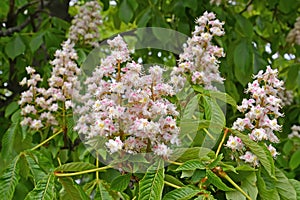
x,y
294,34
200,56
85,25
41,107
261,113
126,105
295,132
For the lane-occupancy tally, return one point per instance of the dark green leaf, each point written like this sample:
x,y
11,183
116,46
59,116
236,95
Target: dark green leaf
x,y
243,58
172,179
72,190
9,139
35,170
184,193
186,154
244,26
151,186
11,108
125,11
44,190
296,185
223,97
144,17
120,183
263,192
36,42
295,161
292,75
9,180
15,47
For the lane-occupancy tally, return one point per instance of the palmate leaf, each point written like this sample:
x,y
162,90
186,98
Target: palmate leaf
x,y
72,190
102,192
261,152
151,186
120,183
9,180
75,166
184,193
44,190
263,192
296,185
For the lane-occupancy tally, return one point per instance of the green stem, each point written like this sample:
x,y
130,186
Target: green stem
x,y
221,143
172,185
97,165
224,175
47,140
209,135
174,162
58,174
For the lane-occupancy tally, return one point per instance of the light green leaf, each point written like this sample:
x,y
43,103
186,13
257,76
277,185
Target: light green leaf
x,y
191,107
144,17
9,180
285,189
120,183
44,190
261,152
248,185
35,170
216,181
184,193
223,97
102,192
243,58
75,166
263,192
296,185
9,138
191,165
151,186
15,47
186,154
72,190
172,179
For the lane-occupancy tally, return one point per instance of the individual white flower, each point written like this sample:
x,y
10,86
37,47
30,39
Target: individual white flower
x,y
114,145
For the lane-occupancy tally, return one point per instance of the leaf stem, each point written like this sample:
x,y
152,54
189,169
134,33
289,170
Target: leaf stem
x,y
224,175
174,162
47,140
97,165
58,174
172,185
222,141
209,135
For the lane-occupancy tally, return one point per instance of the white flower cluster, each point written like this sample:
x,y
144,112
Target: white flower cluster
x,y
286,96
85,25
43,107
200,56
295,132
127,107
261,113
294,34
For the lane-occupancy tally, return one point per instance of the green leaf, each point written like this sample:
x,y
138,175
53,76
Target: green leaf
x,y
35,170
187,154
284,187
295,161
248,185
101,192
296,185
216,161
191,165
286,6
9,139
223,97
263,192
120,183
151,186
191,107
125,11
44,190
260,151
36,42
15,47
184,193
243,58
75,166
9,180
72,190
11,108
292,75
144,17
216,181
172,179
244,26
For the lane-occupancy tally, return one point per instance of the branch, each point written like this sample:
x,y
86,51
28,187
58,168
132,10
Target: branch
x,y
247,6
